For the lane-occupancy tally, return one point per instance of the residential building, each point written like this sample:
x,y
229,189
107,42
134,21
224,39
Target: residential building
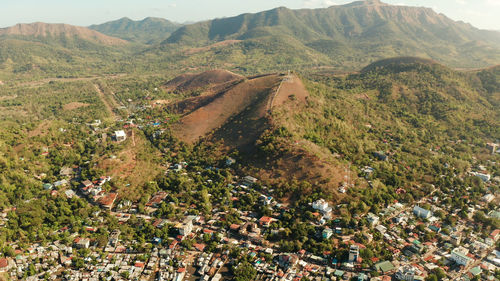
x,y
406,273
186,227
372,219
120,135
327,233
322,206
421,212
459,255
353,253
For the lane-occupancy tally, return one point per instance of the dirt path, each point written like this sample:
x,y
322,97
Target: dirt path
x,y
133,138
108,106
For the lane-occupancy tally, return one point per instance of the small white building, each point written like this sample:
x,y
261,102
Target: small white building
x,y
120,135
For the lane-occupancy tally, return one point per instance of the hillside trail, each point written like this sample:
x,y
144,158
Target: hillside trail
x,y
107,104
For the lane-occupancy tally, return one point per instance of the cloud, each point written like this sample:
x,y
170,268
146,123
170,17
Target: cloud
x,y
461,2
493,3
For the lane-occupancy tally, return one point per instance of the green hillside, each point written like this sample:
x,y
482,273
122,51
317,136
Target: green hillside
x,y
370,30
148,31
421,115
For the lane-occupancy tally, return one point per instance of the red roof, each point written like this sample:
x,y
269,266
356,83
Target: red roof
x,y
4,263
139,264
265,220
429,258
108,200
199,247
181,270
234,226
495,233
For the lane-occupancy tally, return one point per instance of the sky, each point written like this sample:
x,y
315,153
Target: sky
x,y
483,14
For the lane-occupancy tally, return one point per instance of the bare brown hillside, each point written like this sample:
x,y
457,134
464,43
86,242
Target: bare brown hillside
x,y
236,100
39,29
240,114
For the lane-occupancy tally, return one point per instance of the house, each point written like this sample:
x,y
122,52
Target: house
x,y
82,243
86,184
66,172
322,206
327,233
69,193
459,255
380,228
266,200
406,273
265,221
4,265
120,136
249,181
384,266
482,175
476,271
47,186
61,183
372,219
421,212
455,238
108,200
353,253
495,235
157,199
186,227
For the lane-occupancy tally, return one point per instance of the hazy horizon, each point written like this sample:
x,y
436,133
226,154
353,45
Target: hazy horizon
x,y
480,13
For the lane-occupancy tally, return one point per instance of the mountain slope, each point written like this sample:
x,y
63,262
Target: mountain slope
x,y
57,50
149,30
369,29
59,32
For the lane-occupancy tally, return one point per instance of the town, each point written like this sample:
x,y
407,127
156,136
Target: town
x,y
400,242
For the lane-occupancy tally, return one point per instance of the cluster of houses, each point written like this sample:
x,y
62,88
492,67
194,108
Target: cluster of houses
x,y
96,194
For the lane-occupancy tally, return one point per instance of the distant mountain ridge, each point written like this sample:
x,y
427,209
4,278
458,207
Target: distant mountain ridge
x,y
45,30
363,27
149,30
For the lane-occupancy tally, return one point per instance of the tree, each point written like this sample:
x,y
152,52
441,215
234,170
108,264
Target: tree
x,y
245,272
431,277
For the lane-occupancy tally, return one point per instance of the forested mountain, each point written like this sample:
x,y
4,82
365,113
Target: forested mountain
x,y
362,31
148,31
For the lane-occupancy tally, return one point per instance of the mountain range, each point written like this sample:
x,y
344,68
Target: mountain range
x,y
343,37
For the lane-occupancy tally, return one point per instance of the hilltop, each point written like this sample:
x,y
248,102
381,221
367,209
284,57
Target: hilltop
x,y
58,31
148,31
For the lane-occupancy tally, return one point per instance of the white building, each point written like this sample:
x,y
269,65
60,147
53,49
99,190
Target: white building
x,y
322,206
459,255
372,219
186,227
421,212
120,135
406,273
353,253
483,176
